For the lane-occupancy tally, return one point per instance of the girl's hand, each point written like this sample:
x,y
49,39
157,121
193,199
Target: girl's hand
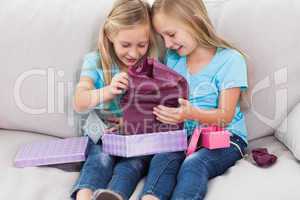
x,y
119,84
174,116
115,124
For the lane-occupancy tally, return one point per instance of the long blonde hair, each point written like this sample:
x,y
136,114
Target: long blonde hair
x,y
124,15
193,14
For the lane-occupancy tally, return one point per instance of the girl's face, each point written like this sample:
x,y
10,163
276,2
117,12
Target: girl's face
x,y
131,45
175,34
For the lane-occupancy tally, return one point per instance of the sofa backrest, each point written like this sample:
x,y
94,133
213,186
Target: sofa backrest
x,y
42,44
267,31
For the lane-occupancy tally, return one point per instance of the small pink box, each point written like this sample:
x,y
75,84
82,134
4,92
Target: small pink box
x,y
214,137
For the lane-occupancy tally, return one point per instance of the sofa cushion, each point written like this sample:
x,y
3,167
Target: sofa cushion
x,y
288,132
266,31
247,181
32,183
35,183
45,42
42,47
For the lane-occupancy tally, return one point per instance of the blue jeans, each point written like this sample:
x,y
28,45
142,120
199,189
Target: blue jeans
x,y
203,165
121,175
161,178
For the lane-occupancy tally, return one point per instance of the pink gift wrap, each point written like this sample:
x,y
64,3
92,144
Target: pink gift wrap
x,y
144,144
49,152
214,137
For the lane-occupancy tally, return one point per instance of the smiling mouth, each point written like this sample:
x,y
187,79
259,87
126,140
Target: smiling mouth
x,y
179,48
131,60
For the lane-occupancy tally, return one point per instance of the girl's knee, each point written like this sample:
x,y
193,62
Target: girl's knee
x,y
193,164
96,155
167,157
94,149
132,167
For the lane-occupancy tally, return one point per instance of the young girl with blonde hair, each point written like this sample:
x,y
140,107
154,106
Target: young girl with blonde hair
x,y
217,74
125,38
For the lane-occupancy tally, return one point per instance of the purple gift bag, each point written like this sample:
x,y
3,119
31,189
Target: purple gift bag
x,y
151,84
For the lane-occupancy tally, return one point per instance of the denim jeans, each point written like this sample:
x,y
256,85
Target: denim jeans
x,y
203,165
103,171
161,178
121,175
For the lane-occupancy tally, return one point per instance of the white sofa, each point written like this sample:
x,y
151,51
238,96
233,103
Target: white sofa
x,y
42,44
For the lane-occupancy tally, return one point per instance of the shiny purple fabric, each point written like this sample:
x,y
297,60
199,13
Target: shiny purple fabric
x,y
263,158
151,84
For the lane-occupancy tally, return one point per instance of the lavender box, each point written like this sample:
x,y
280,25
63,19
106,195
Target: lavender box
x,y
144,144
50,152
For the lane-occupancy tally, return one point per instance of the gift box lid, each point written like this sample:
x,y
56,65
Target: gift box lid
x,y
47,152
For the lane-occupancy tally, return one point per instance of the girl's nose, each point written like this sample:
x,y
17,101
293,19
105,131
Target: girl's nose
x,y
168,43
133,53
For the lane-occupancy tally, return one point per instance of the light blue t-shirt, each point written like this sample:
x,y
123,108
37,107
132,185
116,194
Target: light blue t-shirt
x,y
227,69
91,68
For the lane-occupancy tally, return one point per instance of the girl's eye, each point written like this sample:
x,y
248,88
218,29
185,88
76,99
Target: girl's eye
x,y
172,35
125,45
143,44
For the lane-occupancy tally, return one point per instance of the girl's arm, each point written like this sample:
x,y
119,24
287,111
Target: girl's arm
x,y
86,96
222,115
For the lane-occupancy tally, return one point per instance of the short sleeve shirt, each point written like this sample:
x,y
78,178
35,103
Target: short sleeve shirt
x,y
227,69
91,68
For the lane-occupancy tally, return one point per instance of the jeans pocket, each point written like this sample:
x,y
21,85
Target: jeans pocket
x,y
239,145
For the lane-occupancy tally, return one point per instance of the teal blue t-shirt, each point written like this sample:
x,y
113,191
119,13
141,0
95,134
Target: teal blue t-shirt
x,y
91,68
227,69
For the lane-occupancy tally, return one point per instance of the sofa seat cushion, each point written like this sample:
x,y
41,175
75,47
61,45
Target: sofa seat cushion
x,y
242,180
247,181
32,183
288,132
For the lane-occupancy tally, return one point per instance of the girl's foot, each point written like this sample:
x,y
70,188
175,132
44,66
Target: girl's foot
x,y
84,194
149,197
106,195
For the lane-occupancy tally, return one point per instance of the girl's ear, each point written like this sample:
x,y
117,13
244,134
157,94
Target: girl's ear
x,y
110,38
197,19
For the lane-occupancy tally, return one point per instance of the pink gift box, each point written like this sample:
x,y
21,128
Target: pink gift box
x,y
214,137
211,137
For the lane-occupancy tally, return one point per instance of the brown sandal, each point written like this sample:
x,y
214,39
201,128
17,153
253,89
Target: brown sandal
x,y
102,194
